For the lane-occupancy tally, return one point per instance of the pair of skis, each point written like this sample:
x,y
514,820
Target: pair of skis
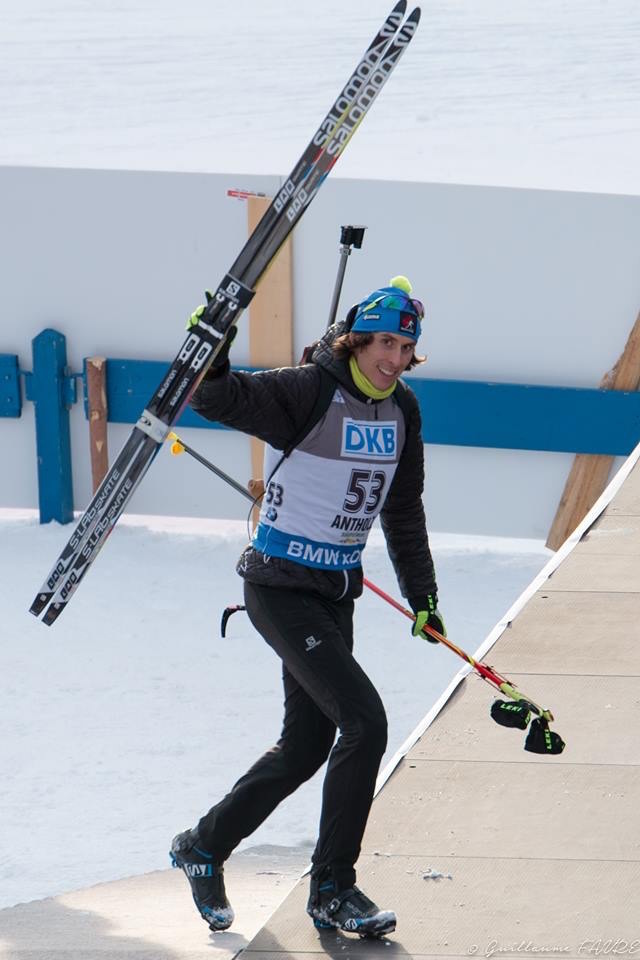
x,y
234,293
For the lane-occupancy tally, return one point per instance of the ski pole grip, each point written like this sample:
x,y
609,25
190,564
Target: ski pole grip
x,y
351,236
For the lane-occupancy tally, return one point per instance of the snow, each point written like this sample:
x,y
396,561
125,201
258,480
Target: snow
x,y
124,721
502,92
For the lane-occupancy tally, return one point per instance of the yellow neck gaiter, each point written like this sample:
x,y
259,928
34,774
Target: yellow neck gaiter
x,y
364,384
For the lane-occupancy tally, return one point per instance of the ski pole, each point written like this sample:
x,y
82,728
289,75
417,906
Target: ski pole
x,y
349,237
179,446
486,672
540,738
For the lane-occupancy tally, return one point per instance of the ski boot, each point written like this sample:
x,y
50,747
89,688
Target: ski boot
x,y
206,879
349,910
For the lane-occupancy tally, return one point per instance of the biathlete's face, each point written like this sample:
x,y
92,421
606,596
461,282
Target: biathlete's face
x,y
385,359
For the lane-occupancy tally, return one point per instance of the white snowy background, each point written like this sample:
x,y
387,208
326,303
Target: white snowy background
x,y
127,719
124,721
502,92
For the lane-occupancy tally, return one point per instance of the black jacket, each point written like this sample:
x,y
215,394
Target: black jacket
x,y
275,405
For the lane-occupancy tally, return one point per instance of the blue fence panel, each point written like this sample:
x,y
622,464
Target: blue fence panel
x,y
10,395
131,383
52,390
458,412
523,417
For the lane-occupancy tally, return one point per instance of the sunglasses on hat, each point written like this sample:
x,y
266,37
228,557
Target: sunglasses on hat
x,y
393,301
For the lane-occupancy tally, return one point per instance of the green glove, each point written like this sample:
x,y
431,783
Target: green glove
x,y
196,316
427,614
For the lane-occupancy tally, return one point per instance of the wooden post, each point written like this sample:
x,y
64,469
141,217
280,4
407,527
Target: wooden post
x,y
256,489
97,402
271,316
590,472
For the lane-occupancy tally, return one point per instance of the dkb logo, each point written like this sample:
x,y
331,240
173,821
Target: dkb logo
x,y
366,440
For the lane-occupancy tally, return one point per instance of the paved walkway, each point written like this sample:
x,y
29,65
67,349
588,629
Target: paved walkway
x,y
151,917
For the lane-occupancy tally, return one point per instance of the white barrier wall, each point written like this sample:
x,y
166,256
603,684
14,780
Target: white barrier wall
x,y
520,286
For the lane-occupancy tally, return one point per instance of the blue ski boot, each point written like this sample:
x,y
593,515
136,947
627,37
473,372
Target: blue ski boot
x,y
206,879
349,910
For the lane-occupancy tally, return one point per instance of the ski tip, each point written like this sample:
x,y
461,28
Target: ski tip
x,y
392,23
53,612
40,603
409,27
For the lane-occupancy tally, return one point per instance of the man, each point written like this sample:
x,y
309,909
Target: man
x,y
328,473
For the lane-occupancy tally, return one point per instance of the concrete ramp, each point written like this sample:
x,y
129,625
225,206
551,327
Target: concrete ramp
x,y
484,849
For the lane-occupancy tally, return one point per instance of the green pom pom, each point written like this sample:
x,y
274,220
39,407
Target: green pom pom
x,y
402,283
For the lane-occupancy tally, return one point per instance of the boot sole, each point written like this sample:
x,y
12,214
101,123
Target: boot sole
x,y
373,933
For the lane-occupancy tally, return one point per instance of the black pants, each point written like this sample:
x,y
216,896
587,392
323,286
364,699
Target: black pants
x,y
324,688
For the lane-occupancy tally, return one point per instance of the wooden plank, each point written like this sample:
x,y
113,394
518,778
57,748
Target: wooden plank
x,y
256,489
495,906
98,415
589,738
589,473
506,816
587,479
270,315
